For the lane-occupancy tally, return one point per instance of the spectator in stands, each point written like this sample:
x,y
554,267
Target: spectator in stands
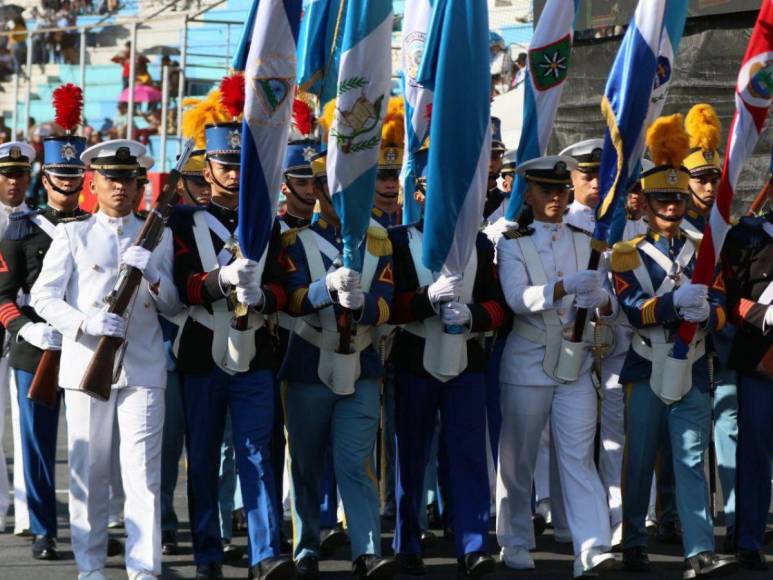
x,y
67,39
123,58
174,75
17,42
519,69
5,132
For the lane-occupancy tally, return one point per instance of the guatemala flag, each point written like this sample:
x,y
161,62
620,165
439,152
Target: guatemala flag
x,y
456,67
638,72
319,42
269,70
547,65
364,77
418,99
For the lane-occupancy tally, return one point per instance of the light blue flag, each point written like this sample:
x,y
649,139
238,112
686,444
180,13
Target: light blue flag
x,y
364,76
455,66
319,44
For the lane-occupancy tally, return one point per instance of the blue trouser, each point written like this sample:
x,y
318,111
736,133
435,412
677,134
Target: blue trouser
x,y
229,493
277,442
493,408
316,416
249,397
389,438
665,486
726,441
462,406
171,449
688,423
38,439
328,507
755,459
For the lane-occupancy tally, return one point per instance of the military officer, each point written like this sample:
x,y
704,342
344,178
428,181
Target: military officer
x,y
26,241
747,259
297,185
427,385
334,397
193,188
216,378
652,282
542,269
78,271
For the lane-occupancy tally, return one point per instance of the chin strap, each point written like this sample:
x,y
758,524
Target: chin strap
x,y
296,196
700,199
57,189
190,195
234,189
669,218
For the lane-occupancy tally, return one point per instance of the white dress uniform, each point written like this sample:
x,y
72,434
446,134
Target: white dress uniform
x,y
79,270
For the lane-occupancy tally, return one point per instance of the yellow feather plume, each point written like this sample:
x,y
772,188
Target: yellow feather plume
x,y
200,113
393,130
703,126
327,118
667,141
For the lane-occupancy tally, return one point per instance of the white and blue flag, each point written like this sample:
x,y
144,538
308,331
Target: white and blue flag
x,y
547,66
319,43
364,76
418,98
455,66
269,62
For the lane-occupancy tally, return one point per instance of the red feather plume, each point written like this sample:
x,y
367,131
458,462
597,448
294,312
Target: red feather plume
x,y
232,94
303,117
68,104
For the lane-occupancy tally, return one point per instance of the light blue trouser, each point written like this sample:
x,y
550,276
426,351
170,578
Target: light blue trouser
x,y
688,425
726,441
316,415
229,494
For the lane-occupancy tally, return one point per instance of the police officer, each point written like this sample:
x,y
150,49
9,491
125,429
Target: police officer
x,y
652,282
78,271
297,186
747,259
25,244
217,379
545,376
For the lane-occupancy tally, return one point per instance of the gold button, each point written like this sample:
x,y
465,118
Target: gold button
x,y
95,268
120,231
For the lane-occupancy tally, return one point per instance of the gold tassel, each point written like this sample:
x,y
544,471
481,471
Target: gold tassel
x,y
289,237
378,242
625,257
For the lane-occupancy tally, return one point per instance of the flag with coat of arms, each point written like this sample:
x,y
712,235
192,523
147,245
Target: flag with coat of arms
x,y
319,44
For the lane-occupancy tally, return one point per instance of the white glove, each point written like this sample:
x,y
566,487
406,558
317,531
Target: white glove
x,y
41,335
689,294
455,314
342,280
596,298
581,282
139,257
251,295
768,318
444,289
105,324
699,313
351,299
240,272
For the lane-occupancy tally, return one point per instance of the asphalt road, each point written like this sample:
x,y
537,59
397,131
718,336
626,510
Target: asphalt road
x,y
553,560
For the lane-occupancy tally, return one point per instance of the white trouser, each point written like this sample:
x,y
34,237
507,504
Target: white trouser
x,y
612,434
542,468
572,413
5,489
8,395
117,496
139,413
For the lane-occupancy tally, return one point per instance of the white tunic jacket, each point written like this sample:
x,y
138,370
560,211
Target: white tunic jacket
x,y
79,270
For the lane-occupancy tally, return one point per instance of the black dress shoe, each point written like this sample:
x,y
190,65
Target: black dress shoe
x,y
669,533
239,523
280,568
211,571
169,543
709,564
411,564
232,553
114,547
767,537
539,524
44,548
752,559
307,568
331,539
636,559
476,564
374,567
427,537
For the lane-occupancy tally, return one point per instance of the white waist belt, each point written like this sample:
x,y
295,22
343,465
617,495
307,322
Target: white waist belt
x,y
640,347
328,339
200,315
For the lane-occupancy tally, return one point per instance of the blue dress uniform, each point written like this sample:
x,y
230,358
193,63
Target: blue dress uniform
x,y
212,387
26,241
318,412
747,259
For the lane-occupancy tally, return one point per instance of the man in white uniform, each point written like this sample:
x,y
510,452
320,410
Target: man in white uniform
x,y
80,269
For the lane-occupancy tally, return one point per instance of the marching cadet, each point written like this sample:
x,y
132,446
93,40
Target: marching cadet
x,y
218,379
747,258
386,206
78,272
704,164
192,187
333,398
26,241
494,206
585,183
508,171
427,384
298,186
652,282
546,376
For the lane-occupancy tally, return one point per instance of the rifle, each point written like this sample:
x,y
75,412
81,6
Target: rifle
x,y
45,382
98,378
762,197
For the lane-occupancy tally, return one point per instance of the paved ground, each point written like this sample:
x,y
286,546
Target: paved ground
x,y
553,560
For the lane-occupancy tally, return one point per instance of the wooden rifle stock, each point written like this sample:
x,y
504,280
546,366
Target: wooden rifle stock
x,y
582,313
762,197
45,382
346,331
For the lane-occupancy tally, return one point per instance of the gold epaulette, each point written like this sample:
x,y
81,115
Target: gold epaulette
x,y
625,256
378,242
289,237
519,233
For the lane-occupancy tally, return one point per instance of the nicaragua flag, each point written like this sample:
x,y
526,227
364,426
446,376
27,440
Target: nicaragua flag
x,y
455,66
319,48
418,99
364,77
547,65
269,72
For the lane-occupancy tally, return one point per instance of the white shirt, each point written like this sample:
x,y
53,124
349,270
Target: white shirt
x,y
79,270
581,216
